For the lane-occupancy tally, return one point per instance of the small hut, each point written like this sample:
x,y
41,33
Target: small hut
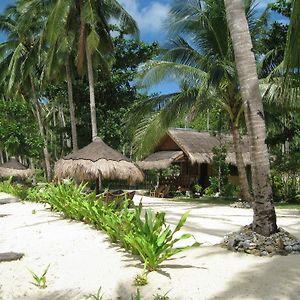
x,y
15,169
192,151
98,161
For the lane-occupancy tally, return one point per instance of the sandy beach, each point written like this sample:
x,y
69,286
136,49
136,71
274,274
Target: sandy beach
x,y
82,259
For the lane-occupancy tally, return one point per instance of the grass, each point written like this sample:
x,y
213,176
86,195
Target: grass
x,y
205,200
227,201
284,205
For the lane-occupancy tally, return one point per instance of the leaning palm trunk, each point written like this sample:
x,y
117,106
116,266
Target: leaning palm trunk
x,y
71,108
42,133
243,180
92,92
264,220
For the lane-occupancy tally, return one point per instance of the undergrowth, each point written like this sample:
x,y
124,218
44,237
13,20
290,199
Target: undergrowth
x,y
148,237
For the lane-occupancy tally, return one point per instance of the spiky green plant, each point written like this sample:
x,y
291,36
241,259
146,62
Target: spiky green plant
x,y
153,240
40,281
148,237
98,296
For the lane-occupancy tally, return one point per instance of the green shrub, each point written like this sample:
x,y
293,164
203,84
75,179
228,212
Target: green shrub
x,y
198,188
12,188
284,188
150,237
153,240
66,198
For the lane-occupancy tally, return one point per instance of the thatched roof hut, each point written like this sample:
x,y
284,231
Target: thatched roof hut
x,y
98,160
196,146
160,160
15,169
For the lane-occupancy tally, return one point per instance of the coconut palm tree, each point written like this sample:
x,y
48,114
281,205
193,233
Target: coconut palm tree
x,y
60,60
94,41
264,220
292,51
201,56
22,64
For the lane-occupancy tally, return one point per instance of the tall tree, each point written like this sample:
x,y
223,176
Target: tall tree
x,y
200,55
264,220
61,59
22,64
292,51
117,93
94,41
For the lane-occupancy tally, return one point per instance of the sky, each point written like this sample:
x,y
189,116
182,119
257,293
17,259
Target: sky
x,y
150,16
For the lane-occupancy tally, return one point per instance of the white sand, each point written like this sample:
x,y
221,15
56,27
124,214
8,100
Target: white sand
x,y
81,259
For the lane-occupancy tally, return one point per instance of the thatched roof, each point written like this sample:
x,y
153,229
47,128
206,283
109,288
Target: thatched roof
x,y
98,159
196,146
159,160
15,168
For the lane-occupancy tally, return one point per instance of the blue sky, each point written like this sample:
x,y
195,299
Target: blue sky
x,y
150,16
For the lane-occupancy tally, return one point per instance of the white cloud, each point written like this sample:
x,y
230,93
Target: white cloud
x,y
150,18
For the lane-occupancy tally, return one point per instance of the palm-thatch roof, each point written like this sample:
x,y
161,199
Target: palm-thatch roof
x,y
196,146
98,160
160,160
15,168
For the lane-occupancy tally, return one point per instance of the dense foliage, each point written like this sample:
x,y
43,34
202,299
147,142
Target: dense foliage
x,y
148,236
199,55
115,94
18,131
220,181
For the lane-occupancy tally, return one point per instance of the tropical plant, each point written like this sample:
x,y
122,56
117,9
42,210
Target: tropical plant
x,y
281,103
153,240
9,187
220,181
136,295
141,279
69,199
95,45
98,296
22,63
264,221
18,131
40,281
161,297
200,56
291,54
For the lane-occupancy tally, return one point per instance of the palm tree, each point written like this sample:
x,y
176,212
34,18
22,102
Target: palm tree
x,y
94,40
292,51
61,60
21,64
264,220
201,56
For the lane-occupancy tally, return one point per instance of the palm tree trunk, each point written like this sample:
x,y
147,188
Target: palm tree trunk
x,y
243,180
92,92
264,220
42,133
1,157
32,166
71,107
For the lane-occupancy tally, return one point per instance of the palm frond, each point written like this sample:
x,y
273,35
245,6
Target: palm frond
x,y
127,22
292,51
156,71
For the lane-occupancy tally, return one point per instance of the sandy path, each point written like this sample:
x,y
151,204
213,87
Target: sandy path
x,y
81,259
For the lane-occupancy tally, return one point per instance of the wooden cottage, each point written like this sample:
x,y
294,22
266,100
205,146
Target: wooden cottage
x,y
193,152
